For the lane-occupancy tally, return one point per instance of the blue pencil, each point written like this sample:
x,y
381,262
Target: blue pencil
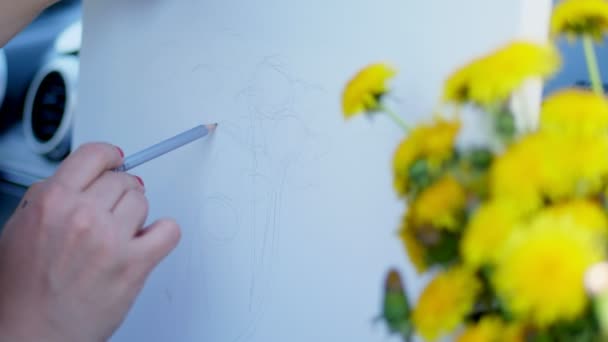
x,y
166,146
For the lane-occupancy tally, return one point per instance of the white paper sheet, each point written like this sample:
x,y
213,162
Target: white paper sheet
x,y
287,212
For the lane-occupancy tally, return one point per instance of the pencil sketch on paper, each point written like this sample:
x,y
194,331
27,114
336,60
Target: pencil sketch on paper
x,y
219,208
273,138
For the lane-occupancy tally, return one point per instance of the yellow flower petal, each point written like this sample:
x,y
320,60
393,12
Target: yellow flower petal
x,y
575,112
445,302
516,175
415,250
583,213
492,329
490,80
363,91
408,151
580,17
441,205
433,142
552,166
487,231
492,224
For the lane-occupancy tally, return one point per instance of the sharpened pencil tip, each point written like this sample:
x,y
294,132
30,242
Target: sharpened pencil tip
x,y
211,127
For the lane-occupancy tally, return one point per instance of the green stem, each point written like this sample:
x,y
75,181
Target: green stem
x,y
406,332
504,123
396,118
594,70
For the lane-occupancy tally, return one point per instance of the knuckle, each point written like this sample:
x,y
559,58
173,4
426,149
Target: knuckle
x,y
82,219
49,195
80,230
93,149
115,178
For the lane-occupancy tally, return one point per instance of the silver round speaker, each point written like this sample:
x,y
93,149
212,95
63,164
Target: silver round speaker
x,y
49,107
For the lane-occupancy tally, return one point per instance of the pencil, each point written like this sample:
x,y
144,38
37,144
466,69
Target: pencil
x,y
166,146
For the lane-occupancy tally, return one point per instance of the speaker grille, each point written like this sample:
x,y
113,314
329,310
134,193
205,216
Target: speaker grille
x,y
48,107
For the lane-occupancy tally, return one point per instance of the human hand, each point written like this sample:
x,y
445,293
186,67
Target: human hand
x,y
74,256
15,15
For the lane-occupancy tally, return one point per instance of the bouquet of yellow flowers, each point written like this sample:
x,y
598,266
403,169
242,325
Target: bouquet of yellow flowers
x,y
512,230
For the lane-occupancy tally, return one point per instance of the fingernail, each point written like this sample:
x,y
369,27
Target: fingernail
x,y
141,181
122,154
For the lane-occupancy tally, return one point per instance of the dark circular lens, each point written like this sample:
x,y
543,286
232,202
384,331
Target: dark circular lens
x,y
48,107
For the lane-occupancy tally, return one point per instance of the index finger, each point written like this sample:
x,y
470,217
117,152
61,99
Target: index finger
x,y
87,163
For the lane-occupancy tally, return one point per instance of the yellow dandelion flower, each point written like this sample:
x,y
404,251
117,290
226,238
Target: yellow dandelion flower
x,y
406,154
440,205
575,112
550,166
433,142
558,179
491,79
489,329
573,166
457,86
492,224
516,175
415,250
583,213
445,302
492,329
588,159
363,92
487,231
580,17
556,252
439,140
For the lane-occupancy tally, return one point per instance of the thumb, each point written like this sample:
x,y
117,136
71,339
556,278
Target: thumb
x,y
155,242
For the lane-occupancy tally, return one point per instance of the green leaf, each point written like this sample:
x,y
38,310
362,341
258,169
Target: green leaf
x,y
505,125
445,252
420,174
481,159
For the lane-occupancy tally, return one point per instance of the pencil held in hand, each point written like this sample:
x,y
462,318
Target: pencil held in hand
x,y
166,146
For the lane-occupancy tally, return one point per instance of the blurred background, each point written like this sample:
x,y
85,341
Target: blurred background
x,y
38,85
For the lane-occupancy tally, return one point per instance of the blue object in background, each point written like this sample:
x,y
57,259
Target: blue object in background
x,y
29,50
574,71
25,55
